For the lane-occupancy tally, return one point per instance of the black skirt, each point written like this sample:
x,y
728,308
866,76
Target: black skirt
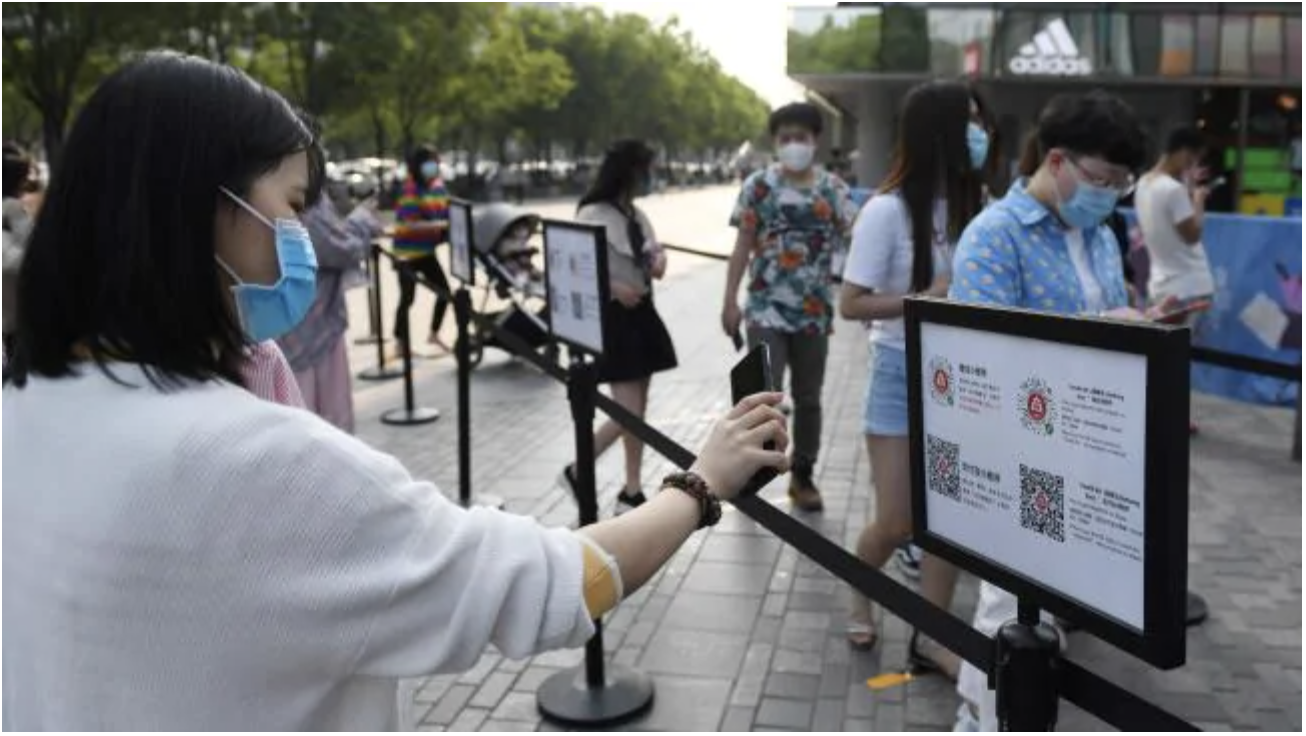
x,y
636,343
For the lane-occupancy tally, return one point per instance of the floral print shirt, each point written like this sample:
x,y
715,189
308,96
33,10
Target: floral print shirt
x,y
1015,254
798,229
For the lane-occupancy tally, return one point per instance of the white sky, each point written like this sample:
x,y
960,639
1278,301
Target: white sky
x,y
749,44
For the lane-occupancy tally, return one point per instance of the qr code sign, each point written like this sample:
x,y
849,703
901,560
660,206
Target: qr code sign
x,y
1042,502
944,461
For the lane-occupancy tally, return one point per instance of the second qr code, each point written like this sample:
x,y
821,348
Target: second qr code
x,y
943,459
1043,502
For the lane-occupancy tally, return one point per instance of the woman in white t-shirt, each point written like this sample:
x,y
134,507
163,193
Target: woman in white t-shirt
x,y
180,554
636,343
902,245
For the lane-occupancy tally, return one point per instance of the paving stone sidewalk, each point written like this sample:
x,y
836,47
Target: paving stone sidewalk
x,y
741,633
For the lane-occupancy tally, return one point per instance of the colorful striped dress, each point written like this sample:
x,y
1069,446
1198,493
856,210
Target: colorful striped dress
x,y
418,204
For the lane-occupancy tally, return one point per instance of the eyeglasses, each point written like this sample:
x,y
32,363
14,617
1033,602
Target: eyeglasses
x,y
1123,182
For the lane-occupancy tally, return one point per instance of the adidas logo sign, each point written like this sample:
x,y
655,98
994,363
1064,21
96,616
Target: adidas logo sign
x,y
1053,51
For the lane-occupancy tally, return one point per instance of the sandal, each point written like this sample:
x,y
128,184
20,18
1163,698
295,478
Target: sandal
x,y
861,636
919,663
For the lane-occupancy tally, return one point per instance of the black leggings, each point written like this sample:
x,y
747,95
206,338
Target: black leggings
x,y
429,267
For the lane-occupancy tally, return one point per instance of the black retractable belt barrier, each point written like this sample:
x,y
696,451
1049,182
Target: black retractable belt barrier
x,y
1108,701
1259,367
592,694
378,372
409,414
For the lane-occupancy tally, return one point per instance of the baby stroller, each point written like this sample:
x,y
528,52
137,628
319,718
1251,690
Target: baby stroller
x,y
501,235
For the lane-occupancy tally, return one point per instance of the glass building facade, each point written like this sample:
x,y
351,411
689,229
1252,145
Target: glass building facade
x,y
1233,69
1229,43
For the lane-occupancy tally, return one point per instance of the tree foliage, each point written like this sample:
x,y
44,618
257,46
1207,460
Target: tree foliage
x,y
489,77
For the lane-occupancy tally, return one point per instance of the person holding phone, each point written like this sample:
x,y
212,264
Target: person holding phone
x,y
1045,246
181,554
902,244
1171,207
791,219
636,343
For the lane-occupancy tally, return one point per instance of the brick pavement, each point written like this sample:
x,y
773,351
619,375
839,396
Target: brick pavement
x,y
742,633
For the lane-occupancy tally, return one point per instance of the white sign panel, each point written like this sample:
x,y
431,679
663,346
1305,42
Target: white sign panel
x,y
575,285
1034,460
460,237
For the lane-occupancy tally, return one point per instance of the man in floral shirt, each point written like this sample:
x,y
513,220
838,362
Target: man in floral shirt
x,y
791,217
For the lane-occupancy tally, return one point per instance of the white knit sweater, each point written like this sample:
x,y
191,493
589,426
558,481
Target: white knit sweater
x,y
205,560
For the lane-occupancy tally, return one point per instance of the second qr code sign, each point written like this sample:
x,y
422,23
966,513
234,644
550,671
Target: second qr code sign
x,y
1033,457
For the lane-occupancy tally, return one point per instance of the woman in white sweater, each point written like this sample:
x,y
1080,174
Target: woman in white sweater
x,y
179,554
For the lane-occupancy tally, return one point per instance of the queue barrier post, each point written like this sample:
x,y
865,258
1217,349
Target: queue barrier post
x,y
594,694
462,308
380,371
409,414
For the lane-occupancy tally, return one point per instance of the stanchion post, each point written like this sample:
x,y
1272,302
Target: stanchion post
x,y
373,311
462,310
1027,671
594,694
378,372
409,414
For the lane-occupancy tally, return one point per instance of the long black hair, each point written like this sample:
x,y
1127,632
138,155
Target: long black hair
x,y
625,164
931,159
121,258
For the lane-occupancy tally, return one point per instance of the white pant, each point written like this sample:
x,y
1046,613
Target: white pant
x,y
994,608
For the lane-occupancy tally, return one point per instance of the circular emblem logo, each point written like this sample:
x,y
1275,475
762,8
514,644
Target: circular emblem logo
x,y
1037,408
941,385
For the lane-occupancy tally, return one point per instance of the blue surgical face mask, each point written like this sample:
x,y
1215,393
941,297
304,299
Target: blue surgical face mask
x,y
268,312
977,140
430,170
1089,206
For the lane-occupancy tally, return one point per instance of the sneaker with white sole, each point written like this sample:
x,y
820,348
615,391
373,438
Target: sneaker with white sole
x,y
908,559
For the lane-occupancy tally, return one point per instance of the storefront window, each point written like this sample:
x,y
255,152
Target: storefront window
x,y
833,40
1176,45
1234,42
1147,44
1120,47
1267,46
960,41
1208,45
905,41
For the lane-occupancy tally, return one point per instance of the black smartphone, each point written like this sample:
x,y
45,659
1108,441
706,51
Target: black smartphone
x,y
752,375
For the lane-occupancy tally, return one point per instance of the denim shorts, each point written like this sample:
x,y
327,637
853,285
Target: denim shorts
x,y
886,393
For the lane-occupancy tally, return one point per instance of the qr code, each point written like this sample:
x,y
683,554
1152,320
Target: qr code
x,y
577,306
1043,502
944,461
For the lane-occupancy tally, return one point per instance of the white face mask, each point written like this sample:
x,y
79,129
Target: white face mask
x,y
796,156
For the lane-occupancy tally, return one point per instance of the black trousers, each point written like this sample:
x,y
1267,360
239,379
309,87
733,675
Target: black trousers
x,y
428,267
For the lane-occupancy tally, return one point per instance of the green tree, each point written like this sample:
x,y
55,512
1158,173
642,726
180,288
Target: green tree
x,y
837,48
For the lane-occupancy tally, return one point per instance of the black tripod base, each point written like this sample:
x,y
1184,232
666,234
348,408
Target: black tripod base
x,y
565,698
1197,610
405,417
379,373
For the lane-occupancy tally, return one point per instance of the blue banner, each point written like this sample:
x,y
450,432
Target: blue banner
x,y
1257,309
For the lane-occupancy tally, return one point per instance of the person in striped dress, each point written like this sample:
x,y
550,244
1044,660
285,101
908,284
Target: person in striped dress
x,y
421,224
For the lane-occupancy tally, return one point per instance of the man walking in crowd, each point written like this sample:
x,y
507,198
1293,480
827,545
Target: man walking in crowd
x,y
790,218
1171,206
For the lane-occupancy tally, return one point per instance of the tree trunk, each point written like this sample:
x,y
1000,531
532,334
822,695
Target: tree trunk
x,y
54,117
